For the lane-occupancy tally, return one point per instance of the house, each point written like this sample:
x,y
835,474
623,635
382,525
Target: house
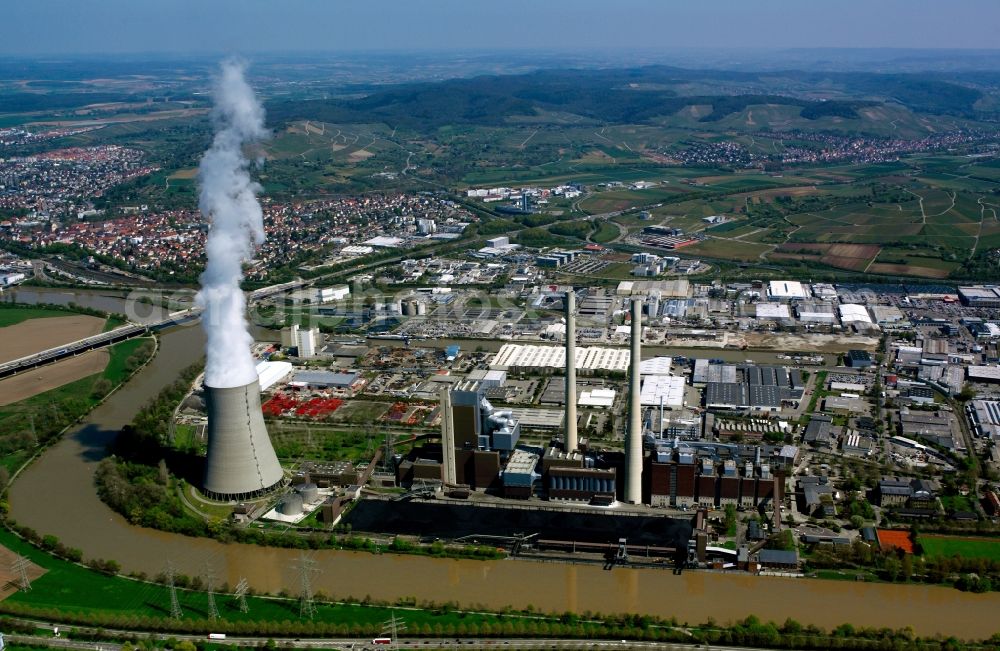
x,y
924,493
894,491
778,559
819,432
817,497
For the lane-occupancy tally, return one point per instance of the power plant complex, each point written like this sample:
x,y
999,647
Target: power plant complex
x,y
479,444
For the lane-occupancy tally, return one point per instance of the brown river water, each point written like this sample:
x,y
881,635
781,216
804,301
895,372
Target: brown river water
x,y
56,496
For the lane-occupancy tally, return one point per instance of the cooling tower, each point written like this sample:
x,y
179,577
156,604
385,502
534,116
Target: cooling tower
x,y
570,371
241,462
633,443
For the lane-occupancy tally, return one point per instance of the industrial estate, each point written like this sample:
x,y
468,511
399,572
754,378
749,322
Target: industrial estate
x,y
624,353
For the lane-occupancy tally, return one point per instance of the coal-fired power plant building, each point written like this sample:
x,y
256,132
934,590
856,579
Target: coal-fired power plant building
x,y
241,462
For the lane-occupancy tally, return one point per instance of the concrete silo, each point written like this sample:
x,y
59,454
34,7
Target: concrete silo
x,y
241,462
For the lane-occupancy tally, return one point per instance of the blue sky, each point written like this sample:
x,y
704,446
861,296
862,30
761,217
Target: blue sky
x,y
254,26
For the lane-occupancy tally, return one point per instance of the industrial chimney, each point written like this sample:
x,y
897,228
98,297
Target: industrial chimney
x,y
633,442
570,440
448,474
241,462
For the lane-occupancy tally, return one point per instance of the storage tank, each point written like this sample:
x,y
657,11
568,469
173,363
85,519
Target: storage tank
x,y
241,462
421,308
309,492
291,504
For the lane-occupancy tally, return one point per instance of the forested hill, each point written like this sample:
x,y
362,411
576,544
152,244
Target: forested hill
x,y
627,96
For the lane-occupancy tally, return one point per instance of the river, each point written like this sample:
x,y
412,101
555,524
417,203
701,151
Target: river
x,y
56,496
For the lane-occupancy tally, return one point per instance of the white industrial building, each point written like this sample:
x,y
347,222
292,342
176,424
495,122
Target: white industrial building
x,y
811,312
307,338
356,250
384,241
304,339
528,356
330,294
854,313
784,290
270,373
656,366
773,311
10,278
669,388
603,398
488,379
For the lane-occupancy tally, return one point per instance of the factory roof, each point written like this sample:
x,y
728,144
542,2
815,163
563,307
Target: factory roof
x,y
326,378
384,241
597,398
984,372
522,462
773,311
656,366
786,289
667,387
590,358
539,418
887,314
269,373
852,313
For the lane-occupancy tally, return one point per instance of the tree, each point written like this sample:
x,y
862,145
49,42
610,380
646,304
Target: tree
x,y
4,477
967,393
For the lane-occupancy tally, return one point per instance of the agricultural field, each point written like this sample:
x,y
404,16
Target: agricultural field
x,y
987,548
729,249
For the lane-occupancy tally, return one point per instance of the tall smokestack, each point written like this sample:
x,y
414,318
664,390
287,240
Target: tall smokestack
x,y
447,438
633,444
570,439
241,462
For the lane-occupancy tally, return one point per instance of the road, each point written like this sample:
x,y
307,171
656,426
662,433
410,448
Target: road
x,y
365,644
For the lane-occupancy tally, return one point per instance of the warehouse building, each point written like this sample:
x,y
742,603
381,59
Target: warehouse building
x,y
786,290
667,390
323,380
854,314
980,295
532,358
820,313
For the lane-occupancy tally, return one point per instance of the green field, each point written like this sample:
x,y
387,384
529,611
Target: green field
x,y
25,424
728,249
94,597
13,315
987,548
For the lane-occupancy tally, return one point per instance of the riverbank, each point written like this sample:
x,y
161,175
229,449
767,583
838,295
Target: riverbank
x,y
68,593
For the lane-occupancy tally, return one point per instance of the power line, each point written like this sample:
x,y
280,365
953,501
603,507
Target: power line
x,y
307,568
175,605
213,611
19,568
240,593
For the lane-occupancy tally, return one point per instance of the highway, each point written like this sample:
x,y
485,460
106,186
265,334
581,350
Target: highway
x,y
365,644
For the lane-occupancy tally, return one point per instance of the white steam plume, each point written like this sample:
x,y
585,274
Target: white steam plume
x,y
228,200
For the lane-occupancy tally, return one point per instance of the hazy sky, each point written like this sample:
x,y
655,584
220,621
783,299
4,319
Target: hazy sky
x,y
250,26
